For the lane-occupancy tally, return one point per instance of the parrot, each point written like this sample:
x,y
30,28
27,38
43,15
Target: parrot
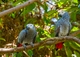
x,y
62,27
27,36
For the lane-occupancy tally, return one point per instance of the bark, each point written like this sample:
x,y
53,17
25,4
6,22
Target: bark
x,y
49,41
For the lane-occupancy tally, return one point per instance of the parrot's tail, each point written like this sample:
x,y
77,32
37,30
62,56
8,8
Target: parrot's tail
x,y
59,45
19,44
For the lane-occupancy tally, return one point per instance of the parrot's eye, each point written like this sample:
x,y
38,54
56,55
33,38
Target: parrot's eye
x,y
31,25
62,12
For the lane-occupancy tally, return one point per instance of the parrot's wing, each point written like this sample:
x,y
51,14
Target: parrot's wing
x,y
34,39
70,26
57,28
22,36
35,36
57,31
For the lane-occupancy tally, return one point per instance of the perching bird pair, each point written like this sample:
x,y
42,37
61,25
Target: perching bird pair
x,y
62,27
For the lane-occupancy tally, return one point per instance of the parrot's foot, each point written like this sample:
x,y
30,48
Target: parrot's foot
x,y
24,46
32,44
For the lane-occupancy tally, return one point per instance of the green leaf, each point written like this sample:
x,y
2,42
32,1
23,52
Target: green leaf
x,y
28,9
30,52
75,29
2,39
73,16
14,54
30,21
51,13
67,49
18,2
46,20
46,33
1,20
78,36
13,15
38,39
64,1
19,54
75,46
75,1
45,6
60,4
77,54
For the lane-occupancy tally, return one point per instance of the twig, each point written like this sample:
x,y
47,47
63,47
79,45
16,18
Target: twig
x,y
75,33
26,54
17,7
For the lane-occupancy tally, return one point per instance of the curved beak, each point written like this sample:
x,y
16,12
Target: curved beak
x,y
27,28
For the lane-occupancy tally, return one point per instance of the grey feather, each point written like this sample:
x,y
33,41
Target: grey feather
x,y
22,35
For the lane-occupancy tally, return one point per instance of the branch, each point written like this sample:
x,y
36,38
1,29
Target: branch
x,y
17,8
76,24
75,33
48,41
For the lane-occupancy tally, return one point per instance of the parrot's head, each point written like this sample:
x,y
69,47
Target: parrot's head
x,y
63,14
53,21
29,26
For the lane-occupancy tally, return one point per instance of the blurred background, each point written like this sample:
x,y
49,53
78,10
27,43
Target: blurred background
x,y
39,14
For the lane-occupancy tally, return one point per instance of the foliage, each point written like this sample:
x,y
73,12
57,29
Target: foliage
x,y
40,15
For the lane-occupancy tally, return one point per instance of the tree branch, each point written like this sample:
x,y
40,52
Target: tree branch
x,y
16,8
75,33
76,24
48,41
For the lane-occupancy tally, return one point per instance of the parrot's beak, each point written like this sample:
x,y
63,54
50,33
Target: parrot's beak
x,y
59,15
27,28
53,21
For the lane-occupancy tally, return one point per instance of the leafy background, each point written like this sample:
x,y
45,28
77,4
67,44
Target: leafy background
x,y
39,14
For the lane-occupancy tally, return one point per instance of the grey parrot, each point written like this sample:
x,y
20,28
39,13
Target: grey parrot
x,y
27,36
62,27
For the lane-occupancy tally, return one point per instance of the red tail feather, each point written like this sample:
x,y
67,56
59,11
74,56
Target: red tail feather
x,y
19,45
59,45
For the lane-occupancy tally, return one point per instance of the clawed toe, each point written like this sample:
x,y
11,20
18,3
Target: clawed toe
x,y
25,47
